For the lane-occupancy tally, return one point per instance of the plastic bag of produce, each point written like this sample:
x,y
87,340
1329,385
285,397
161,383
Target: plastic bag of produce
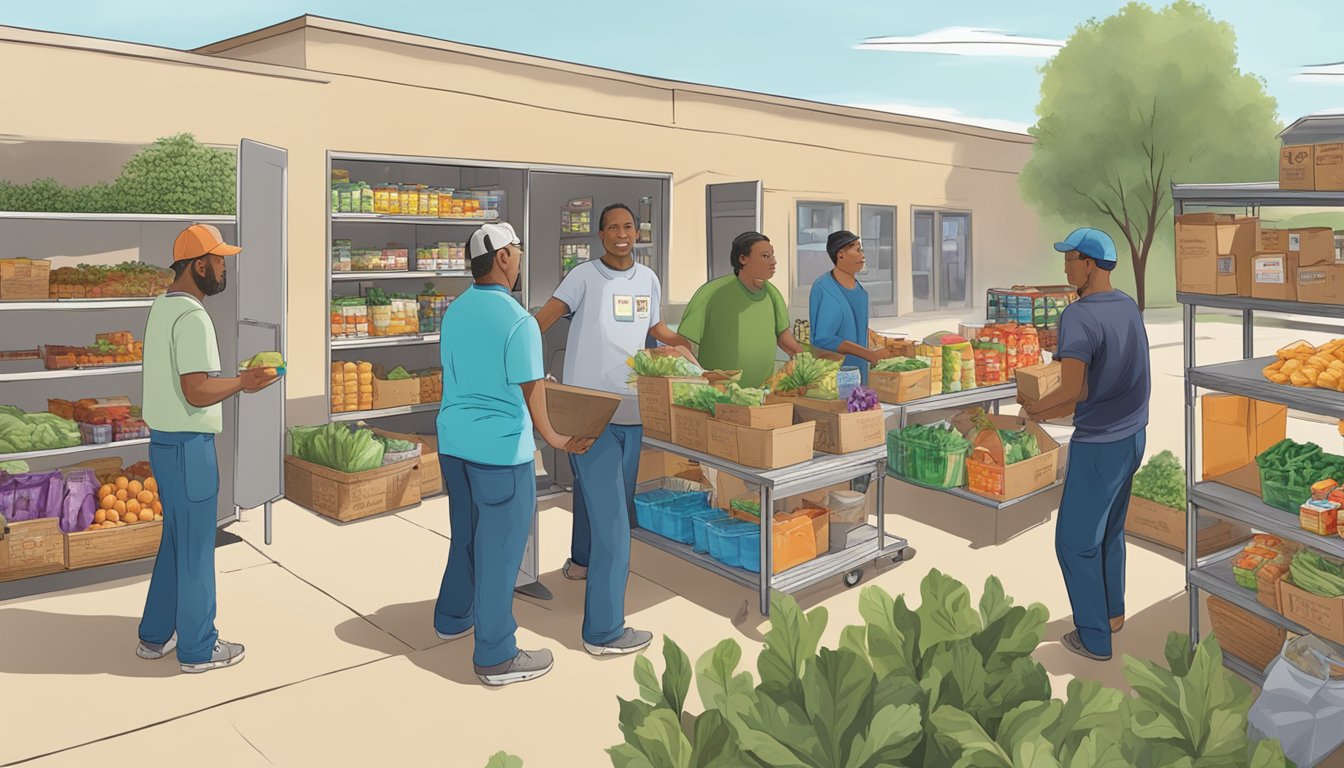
x,y
1302,702
81,500
32,496
958,359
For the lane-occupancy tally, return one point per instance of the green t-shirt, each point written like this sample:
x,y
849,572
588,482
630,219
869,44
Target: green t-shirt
x,y
179,338
735,328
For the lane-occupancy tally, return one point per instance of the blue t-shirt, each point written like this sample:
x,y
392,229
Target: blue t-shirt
x,y
1105,331
489,346
837,314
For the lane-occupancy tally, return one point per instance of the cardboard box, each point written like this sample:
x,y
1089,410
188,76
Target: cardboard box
x,y
722,439
894,387
1153,522
1237,429
1274,277
25,279
843,432
1245,479
85,549
1321,283
1017,479
1329,167
756,417
1324,616
32,548
1311,245
1297,167
655,465
690,428
579,412
347,497
655,405
395,394
775,448
431,472
1037,381
1209,248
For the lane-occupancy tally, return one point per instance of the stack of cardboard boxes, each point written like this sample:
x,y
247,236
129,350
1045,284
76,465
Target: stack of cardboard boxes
x,y
1226,255
1318,167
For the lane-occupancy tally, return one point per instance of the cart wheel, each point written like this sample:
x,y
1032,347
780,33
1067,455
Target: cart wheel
x,y
853,577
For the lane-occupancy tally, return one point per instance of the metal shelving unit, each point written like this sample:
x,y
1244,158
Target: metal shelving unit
x,y
32,455
385,412
76,304
385,341
380,218
1243,377
399,275
69,373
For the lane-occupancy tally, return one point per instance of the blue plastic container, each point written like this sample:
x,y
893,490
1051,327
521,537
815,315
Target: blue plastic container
x,y
724,536
678,519
749,550
664,512
700,527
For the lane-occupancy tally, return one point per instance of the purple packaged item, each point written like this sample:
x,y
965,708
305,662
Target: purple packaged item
x,y
31,496
81,500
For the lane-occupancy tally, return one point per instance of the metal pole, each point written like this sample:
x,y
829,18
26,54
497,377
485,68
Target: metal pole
x,y
1247,334
1191,516
767,548
881,505
268,523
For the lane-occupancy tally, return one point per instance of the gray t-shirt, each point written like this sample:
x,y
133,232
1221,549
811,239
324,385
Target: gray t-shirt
x,y
1105,331
612,314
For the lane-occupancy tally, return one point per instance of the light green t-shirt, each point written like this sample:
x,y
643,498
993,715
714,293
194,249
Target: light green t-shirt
x,y
735,328
179,339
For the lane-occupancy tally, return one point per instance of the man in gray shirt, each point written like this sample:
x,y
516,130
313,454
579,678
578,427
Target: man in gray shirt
x,y
614,306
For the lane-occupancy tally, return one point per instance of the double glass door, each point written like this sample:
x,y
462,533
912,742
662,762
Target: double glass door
x,y
940,270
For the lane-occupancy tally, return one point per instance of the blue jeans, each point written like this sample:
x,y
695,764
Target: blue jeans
x,y
490,510
604,487
1090,534
182,588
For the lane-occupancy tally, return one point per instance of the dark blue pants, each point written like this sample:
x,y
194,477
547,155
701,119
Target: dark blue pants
x,y
604,487
182,589
490,510
1090,534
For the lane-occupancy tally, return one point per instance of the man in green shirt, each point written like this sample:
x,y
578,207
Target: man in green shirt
x,y
738,321
183,389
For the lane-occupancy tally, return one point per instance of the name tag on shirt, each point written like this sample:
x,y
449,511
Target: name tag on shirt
x,y
623,308
642,307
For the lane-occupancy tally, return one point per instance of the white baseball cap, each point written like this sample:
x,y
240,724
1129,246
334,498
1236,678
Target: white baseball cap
x,y
490,238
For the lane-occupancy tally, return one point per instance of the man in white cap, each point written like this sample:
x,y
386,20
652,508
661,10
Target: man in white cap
x,y
182,395
494,392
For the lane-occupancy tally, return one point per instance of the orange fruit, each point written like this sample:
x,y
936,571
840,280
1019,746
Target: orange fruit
x,y
109,501
151,485
132,518
112,516
133,507
99,516
157,506
120,507
134,487
106,490
123,495
145,497
122,482
95,526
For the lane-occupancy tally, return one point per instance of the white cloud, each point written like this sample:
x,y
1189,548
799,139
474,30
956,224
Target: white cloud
x,y
966,41
1322,73
949,114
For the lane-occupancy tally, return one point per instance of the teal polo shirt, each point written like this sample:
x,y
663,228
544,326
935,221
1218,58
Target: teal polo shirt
x,y
489,346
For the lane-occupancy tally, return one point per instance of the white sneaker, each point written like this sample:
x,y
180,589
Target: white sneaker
x,y
527,665
225,655
152,651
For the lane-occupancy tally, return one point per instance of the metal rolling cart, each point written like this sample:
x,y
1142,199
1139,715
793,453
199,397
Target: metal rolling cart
x,y
1213,574
865,544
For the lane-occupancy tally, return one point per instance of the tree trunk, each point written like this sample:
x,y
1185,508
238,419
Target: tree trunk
x,y
1140,289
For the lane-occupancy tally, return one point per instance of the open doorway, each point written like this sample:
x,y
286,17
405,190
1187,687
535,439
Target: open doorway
x,y
940,270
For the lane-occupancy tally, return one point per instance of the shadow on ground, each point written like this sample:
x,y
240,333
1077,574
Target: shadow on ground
x,y
41,643
1144,636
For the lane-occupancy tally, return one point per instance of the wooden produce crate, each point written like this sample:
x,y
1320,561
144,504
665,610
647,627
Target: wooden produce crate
x,y
1245,635
25,279
31,548
104,546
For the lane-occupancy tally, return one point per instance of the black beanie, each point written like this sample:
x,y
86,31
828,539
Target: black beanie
x,y
837,241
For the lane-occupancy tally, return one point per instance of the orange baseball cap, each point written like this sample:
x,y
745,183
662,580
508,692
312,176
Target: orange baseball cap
x,y
201,239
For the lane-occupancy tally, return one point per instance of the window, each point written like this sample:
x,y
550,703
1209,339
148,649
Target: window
x,y
816,221
877,227
940,265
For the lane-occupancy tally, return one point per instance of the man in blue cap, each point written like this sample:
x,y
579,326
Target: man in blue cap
x,y
1102,342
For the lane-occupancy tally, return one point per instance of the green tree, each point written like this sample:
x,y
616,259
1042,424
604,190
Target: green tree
x,y
1134,103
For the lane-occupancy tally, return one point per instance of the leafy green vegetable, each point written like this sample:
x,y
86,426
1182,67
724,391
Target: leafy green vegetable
x,y
1161,480
1317,575
337,447
900,365
943,437
662,366
703,397
806,373
1288,470
504,760
746,506
398,374
395,446
1018,445
22,432
14,467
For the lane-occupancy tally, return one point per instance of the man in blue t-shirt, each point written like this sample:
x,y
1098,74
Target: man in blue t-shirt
x,y
838,306
493,393
1102,342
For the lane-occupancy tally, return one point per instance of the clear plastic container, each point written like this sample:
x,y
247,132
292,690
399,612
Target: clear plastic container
x,y
848,507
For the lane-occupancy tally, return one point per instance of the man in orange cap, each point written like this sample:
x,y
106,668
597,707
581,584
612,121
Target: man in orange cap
x,y
182,395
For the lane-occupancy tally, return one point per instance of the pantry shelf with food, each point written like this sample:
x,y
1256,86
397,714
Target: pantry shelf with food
x,y
375,218
149,218
76,449
399,274
68,373
1288,577
65,304
384,413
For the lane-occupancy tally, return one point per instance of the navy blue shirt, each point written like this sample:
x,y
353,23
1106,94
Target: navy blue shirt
x,y
1105,331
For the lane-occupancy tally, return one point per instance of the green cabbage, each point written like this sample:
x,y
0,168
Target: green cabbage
x,y
337,447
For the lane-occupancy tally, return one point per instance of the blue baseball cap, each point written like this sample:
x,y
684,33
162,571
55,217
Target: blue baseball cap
x,y
1092,243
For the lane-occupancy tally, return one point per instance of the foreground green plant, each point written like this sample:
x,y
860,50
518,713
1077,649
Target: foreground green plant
x,y
943,686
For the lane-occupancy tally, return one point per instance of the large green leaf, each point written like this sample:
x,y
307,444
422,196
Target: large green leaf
x,y
646,676
676,676
1027,722
1026,680
1035,753
1157,714
715,743
993,602
959,730
1097,751
1180,655
1268,754
964,678
791,641
720,685
836,687
891,737
855,638
503,760
893,651
633,713
1014,635
1225,745
1088,706
661,740
628,756
945,613
780,735
897,692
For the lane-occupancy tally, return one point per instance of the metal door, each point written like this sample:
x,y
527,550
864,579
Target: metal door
x,y
730,209
259,274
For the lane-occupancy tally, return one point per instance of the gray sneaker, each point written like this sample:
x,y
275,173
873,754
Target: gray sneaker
x,y
527,665
225,655
154,651
633,641
574,572
1074,642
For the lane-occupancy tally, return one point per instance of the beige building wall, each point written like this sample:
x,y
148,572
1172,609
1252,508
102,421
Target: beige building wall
x,y
320,85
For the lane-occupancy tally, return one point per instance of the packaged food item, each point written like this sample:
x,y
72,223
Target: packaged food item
x,y
1320,517
1323,489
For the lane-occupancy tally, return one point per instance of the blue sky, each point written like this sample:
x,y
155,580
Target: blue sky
x,y
803,48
